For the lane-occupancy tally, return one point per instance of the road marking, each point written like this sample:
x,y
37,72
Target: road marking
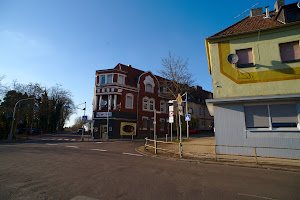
x,y
72,146
50,144
99,142
73,139
66,139
59,139
260,197
98,149
132,154
45,139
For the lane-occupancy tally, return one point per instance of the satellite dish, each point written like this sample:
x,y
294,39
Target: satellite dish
x,y
298,4
103,103
233,58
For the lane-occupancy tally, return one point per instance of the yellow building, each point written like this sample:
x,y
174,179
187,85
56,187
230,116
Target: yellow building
x,y
255,68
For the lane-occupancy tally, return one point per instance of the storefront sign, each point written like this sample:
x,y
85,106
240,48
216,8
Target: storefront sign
x,y
104,114
128,128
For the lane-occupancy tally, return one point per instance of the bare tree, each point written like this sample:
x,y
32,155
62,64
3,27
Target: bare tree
x,y
176,78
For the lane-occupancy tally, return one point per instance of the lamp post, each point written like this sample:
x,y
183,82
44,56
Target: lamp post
x,y
13,119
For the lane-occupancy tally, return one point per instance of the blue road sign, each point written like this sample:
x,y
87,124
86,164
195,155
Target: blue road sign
x,y
84,118
187,118
167,120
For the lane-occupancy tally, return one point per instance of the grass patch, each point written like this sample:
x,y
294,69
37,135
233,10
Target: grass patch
x,y
183,140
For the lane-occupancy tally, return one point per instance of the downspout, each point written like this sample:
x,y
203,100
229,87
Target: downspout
x,y
137,108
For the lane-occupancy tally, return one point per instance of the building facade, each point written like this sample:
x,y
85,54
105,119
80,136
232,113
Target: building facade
x,y
257,100
130,101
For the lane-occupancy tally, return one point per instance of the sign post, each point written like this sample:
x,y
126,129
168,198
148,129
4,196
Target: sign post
x,y
171,119
179,101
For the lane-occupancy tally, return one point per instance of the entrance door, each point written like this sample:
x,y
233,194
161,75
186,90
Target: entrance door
x,y
103,133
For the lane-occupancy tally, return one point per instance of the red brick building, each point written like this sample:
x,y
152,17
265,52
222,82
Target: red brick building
x,y
134,95
128,98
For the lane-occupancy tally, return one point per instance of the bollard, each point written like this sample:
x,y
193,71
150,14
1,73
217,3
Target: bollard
x,y
255,155
216,152
146,143
180,150
155,147
166,137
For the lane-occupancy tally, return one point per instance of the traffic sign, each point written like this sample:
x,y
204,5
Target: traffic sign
x,y
180,110
187,118
84,118
171,114
179,99
171,120
167,120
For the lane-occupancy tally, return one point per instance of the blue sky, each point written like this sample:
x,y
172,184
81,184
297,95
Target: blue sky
x,y
66,41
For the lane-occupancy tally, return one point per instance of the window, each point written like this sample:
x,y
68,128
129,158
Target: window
x,y
145,123
110,78
129,101
149,88
103,79
290,51
203,123
200,111
151,124
271,116
151,105
190,110
162,124
121,79
162,106
145,103
245,57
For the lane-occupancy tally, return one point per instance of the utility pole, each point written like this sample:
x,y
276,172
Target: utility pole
x,y
108,105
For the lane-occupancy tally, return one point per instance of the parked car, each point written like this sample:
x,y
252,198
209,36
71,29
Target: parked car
x,y
195,130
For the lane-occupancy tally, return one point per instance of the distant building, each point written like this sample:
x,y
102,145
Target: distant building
x,y
257,100
134,95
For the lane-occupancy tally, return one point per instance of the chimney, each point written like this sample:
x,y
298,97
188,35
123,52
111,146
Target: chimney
x,y
198,88
256,12
278,4
129,65
267,13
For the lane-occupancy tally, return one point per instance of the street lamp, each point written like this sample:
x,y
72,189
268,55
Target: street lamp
x,y
13,119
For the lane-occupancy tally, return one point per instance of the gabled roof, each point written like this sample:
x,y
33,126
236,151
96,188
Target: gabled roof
x,y
249,24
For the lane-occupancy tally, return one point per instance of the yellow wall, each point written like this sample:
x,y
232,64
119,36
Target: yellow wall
x,y
269,76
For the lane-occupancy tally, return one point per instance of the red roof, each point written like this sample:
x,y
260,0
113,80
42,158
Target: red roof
x,y
250,24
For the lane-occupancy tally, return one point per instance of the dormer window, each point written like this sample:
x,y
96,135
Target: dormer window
x,y
121,79
149,88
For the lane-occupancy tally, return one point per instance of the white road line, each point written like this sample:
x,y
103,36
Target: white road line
x,y
73,139
99,142
132,154
260,197
98,149
66,139
72,146
50,144
59,139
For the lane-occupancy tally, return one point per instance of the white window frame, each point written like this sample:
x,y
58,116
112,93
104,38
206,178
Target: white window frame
x,y
143,123
146,99
153,102
129,95
123,80
152,88
163,106
270,128
106,78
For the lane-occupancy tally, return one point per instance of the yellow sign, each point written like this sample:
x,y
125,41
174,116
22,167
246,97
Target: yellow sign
x,y
179,99
128,128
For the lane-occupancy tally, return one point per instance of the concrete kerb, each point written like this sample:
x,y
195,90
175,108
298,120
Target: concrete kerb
x,y
167,156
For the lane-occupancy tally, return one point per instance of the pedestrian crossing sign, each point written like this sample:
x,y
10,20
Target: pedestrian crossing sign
x,y
187,118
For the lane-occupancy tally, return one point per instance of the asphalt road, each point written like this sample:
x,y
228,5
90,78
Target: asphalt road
x,y
62,167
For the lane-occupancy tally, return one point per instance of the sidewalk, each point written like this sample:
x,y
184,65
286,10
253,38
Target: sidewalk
x,y
202,149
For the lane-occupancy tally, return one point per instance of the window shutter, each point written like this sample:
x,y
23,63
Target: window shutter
x,y
257,116
290,51
283,113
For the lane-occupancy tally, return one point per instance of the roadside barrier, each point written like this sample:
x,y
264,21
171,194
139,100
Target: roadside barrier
x,y
208,151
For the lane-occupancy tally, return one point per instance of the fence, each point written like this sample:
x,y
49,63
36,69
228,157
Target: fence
x,y
207,151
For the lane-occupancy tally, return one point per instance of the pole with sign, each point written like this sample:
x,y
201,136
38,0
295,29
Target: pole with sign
x,y
179,101
171,119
